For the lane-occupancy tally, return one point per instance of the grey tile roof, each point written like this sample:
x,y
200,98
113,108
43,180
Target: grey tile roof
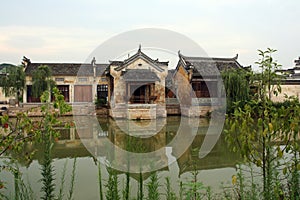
x,y
68,69
140,75
208,66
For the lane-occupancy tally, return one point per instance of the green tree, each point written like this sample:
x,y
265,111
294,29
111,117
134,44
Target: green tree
x,y
257,128
237,87
24,128
41,80
13,81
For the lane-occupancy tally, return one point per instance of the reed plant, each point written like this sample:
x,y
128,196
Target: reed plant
x,y
153,185
170,194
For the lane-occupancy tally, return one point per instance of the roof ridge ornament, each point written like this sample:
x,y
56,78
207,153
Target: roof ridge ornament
x,y
297,62
26,61
140,48
93,61
179,53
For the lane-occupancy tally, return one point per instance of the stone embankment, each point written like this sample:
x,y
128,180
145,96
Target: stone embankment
x,y
35,110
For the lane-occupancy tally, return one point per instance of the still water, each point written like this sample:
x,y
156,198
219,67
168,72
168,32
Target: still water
x,y
105,138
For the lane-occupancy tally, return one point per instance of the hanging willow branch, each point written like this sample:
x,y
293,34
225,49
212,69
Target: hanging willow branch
x,y
237,88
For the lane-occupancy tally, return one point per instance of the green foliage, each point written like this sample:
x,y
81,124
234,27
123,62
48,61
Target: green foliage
x,y
153,186
62,181
243,187
112,185
127,187
47,172
59,102
23,129
23,190
140,195
170,195
41,80
48,132
17,131
100,181
71,190
13,82
258,129
100,102
267,81
237,87
194,189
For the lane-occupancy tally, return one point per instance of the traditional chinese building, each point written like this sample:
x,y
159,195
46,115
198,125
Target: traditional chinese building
x,y
137,87
198,83
290,84
140,87
78,82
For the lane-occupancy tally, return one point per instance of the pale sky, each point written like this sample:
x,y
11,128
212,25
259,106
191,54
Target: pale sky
x,y
69,30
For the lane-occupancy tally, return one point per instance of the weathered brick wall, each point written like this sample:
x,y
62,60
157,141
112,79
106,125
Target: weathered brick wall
x,y
182,80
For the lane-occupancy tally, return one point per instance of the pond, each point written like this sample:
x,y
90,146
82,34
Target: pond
x,y
105,140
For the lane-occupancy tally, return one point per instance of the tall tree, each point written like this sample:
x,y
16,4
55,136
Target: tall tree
x,y
254,128
13,81
41,80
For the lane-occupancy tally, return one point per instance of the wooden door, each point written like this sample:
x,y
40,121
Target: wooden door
x,y
83,93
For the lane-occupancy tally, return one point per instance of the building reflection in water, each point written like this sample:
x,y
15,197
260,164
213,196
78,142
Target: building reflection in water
x,y
111,141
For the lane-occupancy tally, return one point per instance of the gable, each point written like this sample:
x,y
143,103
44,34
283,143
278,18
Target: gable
x,y
142,63
139,57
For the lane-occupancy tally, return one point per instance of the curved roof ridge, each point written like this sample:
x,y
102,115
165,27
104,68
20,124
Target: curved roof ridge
x,y
209,58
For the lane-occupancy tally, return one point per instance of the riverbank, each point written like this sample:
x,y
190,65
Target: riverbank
x,y
35,111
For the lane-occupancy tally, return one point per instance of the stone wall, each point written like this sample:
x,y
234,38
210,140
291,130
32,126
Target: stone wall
x,y
119,100
195,111
173,109
289,90
141,111
182,81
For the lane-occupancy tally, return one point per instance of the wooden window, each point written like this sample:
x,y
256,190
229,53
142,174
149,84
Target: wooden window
x,y
82,79
102,88
206,89
59,79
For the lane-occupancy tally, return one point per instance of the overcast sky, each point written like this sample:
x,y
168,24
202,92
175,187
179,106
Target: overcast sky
x,y
69,30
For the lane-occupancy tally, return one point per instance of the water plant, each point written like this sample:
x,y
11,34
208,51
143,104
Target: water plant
x,y
100,180
264,132
140,194
71,190
153,186
126,190
62,181
170,194
112,192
